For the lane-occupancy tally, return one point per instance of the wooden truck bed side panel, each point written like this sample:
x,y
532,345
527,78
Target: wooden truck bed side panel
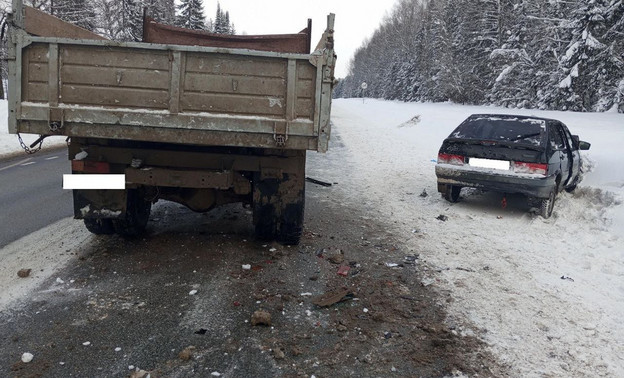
x,y
165,93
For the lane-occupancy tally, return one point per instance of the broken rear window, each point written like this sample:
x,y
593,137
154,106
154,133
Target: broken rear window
x,y
511,130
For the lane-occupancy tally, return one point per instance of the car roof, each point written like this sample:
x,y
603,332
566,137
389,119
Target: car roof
x,y
512,116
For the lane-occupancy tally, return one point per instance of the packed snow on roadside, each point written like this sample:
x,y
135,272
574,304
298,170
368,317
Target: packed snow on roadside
x,y
547,295
9,143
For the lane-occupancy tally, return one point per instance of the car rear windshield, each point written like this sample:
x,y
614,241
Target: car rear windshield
x,y
512,130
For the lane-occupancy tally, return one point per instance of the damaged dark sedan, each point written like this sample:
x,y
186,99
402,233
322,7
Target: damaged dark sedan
x,y
537,157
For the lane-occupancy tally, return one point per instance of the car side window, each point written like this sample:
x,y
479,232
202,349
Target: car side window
x,y
555,138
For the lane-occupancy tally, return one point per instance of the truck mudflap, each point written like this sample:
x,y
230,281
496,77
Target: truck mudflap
x,y
125,212
278,208
96,203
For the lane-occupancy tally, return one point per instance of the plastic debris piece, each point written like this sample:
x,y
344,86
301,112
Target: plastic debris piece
x,y
392,265
59,280
567,278
118,349
344,270
201,331
442,217
193,292
246,266
332,297
318,182
27,357
86,343
215,374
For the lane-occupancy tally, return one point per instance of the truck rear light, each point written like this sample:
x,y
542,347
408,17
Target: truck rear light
x,y
86,166
533,168
450,159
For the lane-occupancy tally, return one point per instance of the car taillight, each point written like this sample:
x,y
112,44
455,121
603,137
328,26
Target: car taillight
x,y
534,168
86,166
450,159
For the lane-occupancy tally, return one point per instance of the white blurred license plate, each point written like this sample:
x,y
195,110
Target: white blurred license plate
x,y
489,163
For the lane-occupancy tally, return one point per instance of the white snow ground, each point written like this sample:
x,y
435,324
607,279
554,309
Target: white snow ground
x,y
546,294
502,267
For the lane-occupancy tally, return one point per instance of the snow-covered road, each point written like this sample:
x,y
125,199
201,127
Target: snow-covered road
x,y
546,294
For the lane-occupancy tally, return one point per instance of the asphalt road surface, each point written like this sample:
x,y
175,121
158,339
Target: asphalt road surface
x,y
31,193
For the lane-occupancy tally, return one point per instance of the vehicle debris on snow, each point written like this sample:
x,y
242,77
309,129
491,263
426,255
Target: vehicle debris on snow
x,y
23,273
332,297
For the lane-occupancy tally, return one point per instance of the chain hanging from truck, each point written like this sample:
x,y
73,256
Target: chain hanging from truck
x,y
32,149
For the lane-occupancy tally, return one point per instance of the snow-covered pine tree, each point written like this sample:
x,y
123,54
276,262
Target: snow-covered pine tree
x,y
221,23
191,15
77,12
161,10
614,39
131,16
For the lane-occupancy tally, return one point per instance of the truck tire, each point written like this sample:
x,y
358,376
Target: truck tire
x,y
137,214
278,208
99,226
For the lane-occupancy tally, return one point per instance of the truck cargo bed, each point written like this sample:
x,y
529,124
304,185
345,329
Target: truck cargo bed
x,y
163,92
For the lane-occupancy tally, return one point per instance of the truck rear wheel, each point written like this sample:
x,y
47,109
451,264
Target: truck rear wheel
x,y
137,214
99,226
278,208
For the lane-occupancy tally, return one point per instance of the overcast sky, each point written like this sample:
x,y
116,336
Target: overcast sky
x,y
356,20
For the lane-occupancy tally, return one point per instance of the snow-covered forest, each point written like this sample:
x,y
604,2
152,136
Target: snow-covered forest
x,y
122,20
545,54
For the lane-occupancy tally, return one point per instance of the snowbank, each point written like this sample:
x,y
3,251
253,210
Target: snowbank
x,y
546,294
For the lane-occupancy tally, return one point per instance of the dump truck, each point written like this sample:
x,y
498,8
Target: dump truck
x,y
185,116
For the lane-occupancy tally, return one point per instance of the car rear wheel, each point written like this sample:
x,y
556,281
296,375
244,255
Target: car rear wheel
x,y
547,205
452,193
